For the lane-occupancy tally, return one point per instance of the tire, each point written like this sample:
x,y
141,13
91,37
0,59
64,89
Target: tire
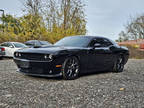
x,y
1,58
71,68
119,64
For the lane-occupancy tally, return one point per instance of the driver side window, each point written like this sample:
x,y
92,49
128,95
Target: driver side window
x,y
101,41
96,41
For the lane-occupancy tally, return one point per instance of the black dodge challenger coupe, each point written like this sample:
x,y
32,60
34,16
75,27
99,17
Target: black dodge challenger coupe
x,y
72,56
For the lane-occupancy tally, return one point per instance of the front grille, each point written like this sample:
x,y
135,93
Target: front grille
x,y
32,70
31,56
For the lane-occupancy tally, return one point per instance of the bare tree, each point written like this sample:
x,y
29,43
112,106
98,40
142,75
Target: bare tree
x,y
135,29
33,6
60,17
123,36
65,14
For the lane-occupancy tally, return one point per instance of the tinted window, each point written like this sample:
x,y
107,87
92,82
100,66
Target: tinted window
x,y
103,42
30,42
74,41
33,43
44,43
106,42
4,44
37,43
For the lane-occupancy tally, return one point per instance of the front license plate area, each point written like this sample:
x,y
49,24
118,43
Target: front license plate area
x,y
24,64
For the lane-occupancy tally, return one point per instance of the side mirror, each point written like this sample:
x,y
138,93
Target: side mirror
x,y
112,47
11,46
97,45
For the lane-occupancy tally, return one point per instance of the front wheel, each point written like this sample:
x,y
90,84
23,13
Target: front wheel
x,y
71,68
119,64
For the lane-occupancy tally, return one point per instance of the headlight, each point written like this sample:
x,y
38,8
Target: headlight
x,y
50,57
19,55
45,56
16,54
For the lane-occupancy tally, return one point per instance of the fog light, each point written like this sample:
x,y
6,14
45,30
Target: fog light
x,y
50,56
50,71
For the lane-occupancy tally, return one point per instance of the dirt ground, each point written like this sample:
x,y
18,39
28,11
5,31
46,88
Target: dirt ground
x,y
100,90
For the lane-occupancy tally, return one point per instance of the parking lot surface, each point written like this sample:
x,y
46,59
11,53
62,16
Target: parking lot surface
x,y
100,90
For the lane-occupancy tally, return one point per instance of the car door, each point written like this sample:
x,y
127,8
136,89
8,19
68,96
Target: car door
x,y
99,56
15,47
108,53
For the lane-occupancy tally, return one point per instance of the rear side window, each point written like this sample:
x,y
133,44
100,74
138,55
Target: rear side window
x,y
102,41
4,44
106,42
44,43
37,43
30,43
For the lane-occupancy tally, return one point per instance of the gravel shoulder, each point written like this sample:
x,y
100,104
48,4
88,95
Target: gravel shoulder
x,y
100,90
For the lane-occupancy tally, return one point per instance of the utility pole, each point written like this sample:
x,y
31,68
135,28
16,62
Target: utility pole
x,y
2,16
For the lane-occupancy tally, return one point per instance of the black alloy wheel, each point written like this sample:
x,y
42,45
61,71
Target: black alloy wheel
x,y
71,68
119,65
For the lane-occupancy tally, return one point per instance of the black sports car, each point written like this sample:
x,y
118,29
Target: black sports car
x,y
72,56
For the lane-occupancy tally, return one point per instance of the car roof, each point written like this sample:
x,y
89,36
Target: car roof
x,y
11,42
93,37
88,36
32,40
15,42
35,41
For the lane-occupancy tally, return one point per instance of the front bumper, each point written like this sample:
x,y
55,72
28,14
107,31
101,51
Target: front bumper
x,y
38,68
41,75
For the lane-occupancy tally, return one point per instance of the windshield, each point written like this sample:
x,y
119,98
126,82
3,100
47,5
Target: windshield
x,y
19,45
74,41
45,43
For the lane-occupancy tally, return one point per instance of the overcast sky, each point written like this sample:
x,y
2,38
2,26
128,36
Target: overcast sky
x,y
104,17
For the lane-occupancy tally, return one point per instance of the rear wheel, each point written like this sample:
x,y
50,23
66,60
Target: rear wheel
x,y
119,64
1,58
71,68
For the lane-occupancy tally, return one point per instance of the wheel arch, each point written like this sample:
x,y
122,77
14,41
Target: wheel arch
x,y
77,56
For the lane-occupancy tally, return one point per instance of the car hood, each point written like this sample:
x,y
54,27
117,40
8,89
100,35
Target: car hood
x,y
49,50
